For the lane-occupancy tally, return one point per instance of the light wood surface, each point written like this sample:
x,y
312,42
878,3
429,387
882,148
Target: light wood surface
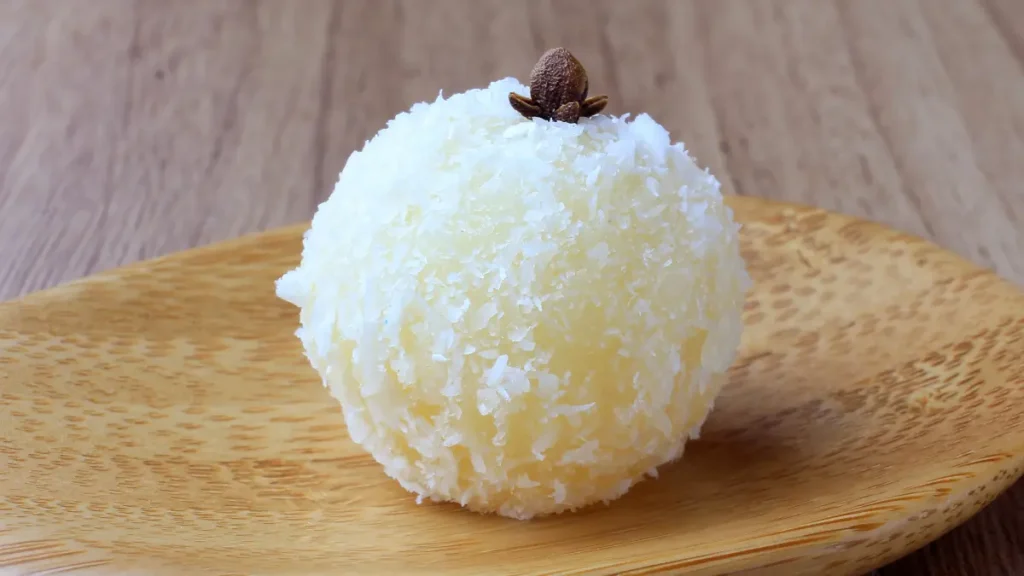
x,y
163,419
136,128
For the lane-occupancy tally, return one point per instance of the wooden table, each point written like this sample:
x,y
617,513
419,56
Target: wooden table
x,y
135,128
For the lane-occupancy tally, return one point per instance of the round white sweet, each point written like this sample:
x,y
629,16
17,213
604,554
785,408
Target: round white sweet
x,y
521,316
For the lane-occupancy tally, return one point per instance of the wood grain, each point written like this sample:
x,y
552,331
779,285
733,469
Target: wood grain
x,y
160,418
135,128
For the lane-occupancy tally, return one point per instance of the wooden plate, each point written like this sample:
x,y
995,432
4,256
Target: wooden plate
x,y
161,419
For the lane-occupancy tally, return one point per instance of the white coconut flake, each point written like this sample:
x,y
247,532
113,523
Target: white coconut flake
x,y
518,334
497,371
483,315
582,455
599,253
521,316
559,493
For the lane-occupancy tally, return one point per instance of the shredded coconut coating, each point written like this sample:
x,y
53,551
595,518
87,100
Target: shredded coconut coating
x,y
521,316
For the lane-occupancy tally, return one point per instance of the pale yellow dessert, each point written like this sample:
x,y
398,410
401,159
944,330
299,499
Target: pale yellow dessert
x,y
523,316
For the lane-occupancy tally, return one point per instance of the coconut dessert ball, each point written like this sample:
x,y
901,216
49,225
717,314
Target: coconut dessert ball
x,y
522,315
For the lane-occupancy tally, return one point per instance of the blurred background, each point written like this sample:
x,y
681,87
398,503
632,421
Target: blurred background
x,y
134,128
